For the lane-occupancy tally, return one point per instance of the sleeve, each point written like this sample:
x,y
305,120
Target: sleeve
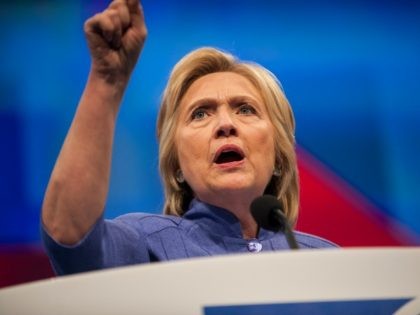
x,y
110,243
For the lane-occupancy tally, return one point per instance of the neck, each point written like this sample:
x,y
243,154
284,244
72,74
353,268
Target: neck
x,y
239,207
249,227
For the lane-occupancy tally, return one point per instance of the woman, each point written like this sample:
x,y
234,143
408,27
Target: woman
x,y
226,136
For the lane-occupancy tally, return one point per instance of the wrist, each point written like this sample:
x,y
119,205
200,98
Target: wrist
x,y
104,93
109,84
111,78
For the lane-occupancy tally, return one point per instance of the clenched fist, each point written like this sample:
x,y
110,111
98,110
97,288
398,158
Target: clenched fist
x,y
115,38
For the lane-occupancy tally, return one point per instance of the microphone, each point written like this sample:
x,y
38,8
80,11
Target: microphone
x,y
268,213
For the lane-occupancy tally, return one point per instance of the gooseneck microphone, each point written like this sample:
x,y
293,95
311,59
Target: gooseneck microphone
x,y
268,213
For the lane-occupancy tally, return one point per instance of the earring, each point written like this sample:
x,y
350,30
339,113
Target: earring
x,y
276,172
179,176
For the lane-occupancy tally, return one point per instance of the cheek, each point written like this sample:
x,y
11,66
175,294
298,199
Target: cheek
x,y
264,145
264,137
190,148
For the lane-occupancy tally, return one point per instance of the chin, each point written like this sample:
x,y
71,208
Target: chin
x,y
236,185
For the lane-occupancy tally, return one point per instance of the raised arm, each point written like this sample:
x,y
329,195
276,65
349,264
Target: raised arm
x,y
77,191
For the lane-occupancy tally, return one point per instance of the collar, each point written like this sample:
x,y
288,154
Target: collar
x,y
218,220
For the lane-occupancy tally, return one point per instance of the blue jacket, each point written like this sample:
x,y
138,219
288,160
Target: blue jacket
x,y
204,230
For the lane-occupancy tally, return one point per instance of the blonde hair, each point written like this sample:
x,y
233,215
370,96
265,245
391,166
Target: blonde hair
x,y
195,65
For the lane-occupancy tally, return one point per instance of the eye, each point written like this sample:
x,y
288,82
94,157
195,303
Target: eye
x,y
246,109
199,114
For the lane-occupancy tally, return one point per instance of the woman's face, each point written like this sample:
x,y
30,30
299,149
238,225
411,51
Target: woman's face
x,y
224,138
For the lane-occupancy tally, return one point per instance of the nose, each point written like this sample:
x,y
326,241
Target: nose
x,y
225,125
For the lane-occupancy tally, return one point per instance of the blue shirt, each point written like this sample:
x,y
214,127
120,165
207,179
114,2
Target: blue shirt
x,y
204,230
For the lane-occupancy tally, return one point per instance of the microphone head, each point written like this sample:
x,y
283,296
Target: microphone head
x,y
268,213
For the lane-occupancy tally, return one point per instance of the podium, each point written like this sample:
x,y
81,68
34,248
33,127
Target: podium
x,y
328,281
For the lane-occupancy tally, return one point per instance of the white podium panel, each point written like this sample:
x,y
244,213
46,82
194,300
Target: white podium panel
x,y
331,281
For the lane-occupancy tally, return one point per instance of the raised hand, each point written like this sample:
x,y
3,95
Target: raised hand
x,y
78,187
115,38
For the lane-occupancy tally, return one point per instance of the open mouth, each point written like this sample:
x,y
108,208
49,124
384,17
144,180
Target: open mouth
x,y
229,155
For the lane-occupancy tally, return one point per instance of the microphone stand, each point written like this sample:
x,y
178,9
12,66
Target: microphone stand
x,y
286,229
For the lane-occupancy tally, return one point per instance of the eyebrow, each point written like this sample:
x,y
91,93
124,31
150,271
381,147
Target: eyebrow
x,y
201,102
211,101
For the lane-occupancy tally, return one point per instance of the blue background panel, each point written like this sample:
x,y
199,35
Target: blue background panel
x,y
351,70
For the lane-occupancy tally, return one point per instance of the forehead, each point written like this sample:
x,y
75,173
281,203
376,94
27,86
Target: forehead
x,y
220,85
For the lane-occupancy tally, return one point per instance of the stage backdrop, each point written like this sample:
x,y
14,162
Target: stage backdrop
x,y
351,71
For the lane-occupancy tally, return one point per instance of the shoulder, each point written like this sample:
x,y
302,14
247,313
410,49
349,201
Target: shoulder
x,y
306,240
146,222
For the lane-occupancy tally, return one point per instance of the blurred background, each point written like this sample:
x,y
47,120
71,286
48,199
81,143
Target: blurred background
x,y
351,71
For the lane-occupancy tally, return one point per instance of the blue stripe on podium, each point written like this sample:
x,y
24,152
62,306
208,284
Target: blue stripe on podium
x,y
354,307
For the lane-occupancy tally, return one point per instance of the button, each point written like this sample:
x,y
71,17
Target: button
x,y
254,246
